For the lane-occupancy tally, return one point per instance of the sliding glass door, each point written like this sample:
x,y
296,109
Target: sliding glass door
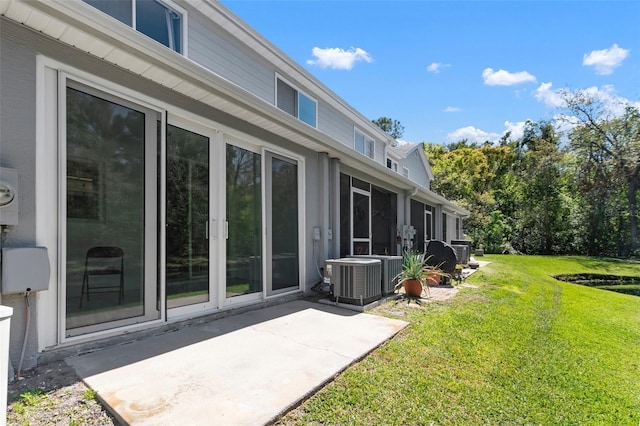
x,y
244,223
110,197
282,220
187,207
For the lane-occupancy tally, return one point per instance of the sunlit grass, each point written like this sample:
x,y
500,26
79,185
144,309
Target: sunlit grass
x,y
521,348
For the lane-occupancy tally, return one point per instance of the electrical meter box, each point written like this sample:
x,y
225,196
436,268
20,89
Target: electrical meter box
x,y
25,269
8,196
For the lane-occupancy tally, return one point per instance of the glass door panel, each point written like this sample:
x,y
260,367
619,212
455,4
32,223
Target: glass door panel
x,y
282,224
108,191
361,222
244,219
187,247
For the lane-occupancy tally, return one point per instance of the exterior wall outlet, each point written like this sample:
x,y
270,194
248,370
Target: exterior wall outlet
x,y
316,233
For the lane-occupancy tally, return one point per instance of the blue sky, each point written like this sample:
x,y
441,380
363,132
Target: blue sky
x,y
449,70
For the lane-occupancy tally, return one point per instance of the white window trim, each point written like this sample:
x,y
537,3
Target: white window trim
x,y
405,172
352,239
367,140
298,92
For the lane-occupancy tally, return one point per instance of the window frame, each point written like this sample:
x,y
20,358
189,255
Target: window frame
x,y
298,93
392,165
405,172
368,141
169,4
68,77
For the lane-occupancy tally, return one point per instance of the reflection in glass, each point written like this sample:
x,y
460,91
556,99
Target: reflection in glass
x,y
187,273
105,205
244,213
284,224
160,23
307,110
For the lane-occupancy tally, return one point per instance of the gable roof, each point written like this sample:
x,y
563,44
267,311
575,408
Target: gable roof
x,y
403,151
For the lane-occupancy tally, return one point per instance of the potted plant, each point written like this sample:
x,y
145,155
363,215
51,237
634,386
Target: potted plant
x,y
416,273
413,274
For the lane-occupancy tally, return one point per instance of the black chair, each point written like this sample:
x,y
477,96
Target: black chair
x,y
103,261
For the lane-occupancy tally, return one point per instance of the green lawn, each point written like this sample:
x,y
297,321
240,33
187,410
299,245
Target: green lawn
x,y
521,348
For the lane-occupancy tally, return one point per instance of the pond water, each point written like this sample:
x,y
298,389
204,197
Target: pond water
x,y
620,284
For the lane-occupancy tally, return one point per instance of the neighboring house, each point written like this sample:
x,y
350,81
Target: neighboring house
x,y
217,172
432,217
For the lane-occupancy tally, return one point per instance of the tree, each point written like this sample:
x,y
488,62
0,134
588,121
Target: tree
x,y
473,176
391,127
607,147
541,210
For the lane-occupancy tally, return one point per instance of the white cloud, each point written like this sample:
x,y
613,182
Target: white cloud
x,y
605,60
337,58
452,109
549,97
505,78
436,67
516,129
605,94
472,134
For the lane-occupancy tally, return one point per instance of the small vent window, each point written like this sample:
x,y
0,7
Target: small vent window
x,y
160,20
296,103
364,144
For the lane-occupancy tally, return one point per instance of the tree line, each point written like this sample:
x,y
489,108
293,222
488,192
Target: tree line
x,y
551,192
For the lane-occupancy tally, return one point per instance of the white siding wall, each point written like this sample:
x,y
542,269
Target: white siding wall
x,y
334,124
211,47
214,49
417,173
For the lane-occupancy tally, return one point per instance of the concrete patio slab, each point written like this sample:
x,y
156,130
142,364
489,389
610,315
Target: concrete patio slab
x,y
241,370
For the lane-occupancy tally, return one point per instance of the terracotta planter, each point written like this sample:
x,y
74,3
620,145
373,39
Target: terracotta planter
x,y
412,288
433,279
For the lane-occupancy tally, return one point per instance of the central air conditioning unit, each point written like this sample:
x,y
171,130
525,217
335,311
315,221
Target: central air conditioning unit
x,y
354,281
462,253
467,254
391,268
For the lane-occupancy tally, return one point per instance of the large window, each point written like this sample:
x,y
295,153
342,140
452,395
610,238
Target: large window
x,y
109,198
363,144
296,103
161,20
